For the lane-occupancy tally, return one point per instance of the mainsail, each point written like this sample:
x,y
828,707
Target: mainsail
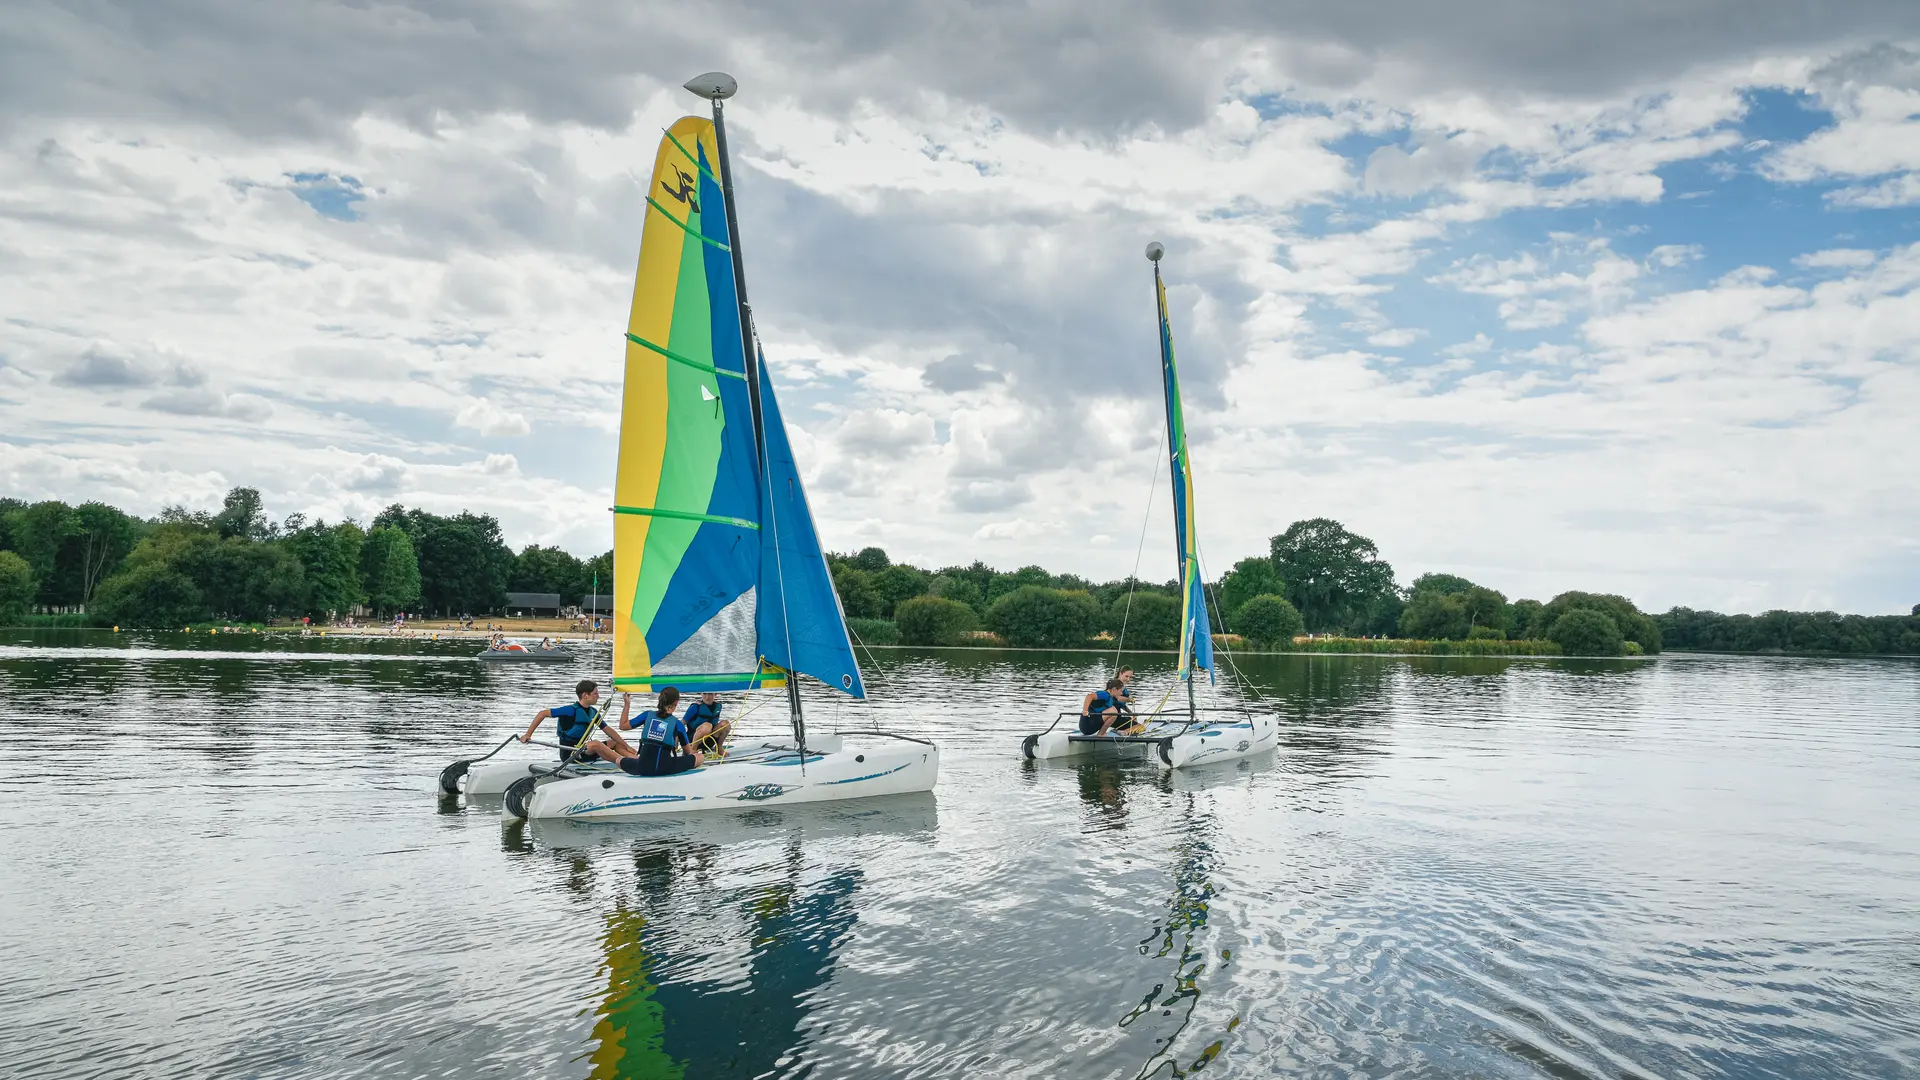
x,y
1196,638
709,558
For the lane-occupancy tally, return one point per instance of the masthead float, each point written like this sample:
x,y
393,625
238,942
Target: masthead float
x,y
720,582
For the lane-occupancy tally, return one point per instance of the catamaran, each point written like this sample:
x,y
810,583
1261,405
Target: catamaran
x,y
720,582
1193,736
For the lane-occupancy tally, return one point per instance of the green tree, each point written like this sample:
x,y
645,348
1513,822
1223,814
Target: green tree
x,y
1033,616
1250,577
98,544
37,533
153,595
242,516
1524,620
960,589
1333,576
934,620
1268,620
1151,620
546,569
897,583
17,588
245,580
871,559
858,600
389,571
1586,632
1632,624
329,563
1435,616
596,575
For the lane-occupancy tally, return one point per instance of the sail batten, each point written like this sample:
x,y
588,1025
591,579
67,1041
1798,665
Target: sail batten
x,y
1196,637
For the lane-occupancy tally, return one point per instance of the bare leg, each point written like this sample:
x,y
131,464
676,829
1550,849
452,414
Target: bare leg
x,y
604,752
700,732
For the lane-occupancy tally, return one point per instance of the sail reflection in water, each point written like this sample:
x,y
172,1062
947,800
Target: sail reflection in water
x,y
709,977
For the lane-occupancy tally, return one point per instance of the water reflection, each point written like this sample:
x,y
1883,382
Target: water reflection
x,y
1178,936
676,1003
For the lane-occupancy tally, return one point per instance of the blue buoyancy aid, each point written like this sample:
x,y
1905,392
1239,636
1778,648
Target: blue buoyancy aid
x,y
662,728
1102,701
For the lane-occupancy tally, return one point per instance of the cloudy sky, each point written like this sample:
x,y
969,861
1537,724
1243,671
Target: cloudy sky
x,y
1618,297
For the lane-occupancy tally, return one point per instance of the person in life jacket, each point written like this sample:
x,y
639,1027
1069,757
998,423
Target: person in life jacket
x,y
703,719
1103,709
663,739
575,721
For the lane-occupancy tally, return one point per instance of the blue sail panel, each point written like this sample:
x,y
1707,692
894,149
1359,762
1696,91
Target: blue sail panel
x,y
801,625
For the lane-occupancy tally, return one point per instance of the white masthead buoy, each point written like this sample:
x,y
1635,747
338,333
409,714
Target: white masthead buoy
x,y
1154,251
714,85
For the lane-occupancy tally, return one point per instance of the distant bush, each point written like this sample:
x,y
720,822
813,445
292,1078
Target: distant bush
x,y
150,595
1413,647
1486,633
933,620
1268,620
1627,619
1151,620
874,632
1586,632
1034,617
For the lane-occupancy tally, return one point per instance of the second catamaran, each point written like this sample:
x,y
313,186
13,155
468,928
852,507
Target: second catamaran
x,y
1191,736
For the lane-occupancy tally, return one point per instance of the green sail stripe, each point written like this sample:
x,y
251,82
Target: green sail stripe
x,y
689,361
691,231
684,515
662,677
683,150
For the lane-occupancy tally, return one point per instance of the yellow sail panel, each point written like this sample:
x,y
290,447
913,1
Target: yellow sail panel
x,y
686,547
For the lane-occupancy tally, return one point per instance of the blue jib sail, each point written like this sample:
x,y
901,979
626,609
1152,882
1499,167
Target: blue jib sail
x,y
801,626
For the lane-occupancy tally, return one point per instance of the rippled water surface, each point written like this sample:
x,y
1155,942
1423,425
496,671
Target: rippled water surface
x,y
225,858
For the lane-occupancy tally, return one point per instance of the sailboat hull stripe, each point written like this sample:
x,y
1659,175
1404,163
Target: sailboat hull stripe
x,y
687,515
689,361
688,229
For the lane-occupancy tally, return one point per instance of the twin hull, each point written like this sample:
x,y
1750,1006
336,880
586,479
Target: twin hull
x,y
1226,740
771,774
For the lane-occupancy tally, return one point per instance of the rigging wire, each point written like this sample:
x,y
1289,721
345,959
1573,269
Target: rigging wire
x,y
1153,488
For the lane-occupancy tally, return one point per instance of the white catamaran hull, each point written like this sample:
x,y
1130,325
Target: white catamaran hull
x,y
769,775
1226,740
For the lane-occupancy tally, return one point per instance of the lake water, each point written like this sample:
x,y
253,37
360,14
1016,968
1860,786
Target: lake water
x,y
1684,867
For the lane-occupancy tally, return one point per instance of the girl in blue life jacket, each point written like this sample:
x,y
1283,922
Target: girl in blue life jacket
x,y
663,739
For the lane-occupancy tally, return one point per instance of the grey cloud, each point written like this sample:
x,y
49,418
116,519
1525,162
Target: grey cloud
x,y
986,496
955,374
1434,161
100,368
292,69
199,400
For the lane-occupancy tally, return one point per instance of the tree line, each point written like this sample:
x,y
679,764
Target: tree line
x,y
1317,577
183,567
1321,578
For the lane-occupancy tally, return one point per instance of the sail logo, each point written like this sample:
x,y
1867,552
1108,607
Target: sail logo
x,y
685,194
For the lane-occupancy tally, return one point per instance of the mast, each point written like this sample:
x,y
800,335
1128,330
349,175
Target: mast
x,y
717,86
1175,446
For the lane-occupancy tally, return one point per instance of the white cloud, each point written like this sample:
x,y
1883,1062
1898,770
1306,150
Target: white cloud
x,y
489,419
1835,259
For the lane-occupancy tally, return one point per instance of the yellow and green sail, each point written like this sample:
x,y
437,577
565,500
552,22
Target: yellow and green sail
x,y
1196,638
686,538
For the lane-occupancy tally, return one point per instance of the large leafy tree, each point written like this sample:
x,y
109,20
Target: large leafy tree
x,y
1633,625
389,571
37,533
99,540
151,594
330,561
546,570
1250,577
1332,576
17,588
1586,632
896,584
243,516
